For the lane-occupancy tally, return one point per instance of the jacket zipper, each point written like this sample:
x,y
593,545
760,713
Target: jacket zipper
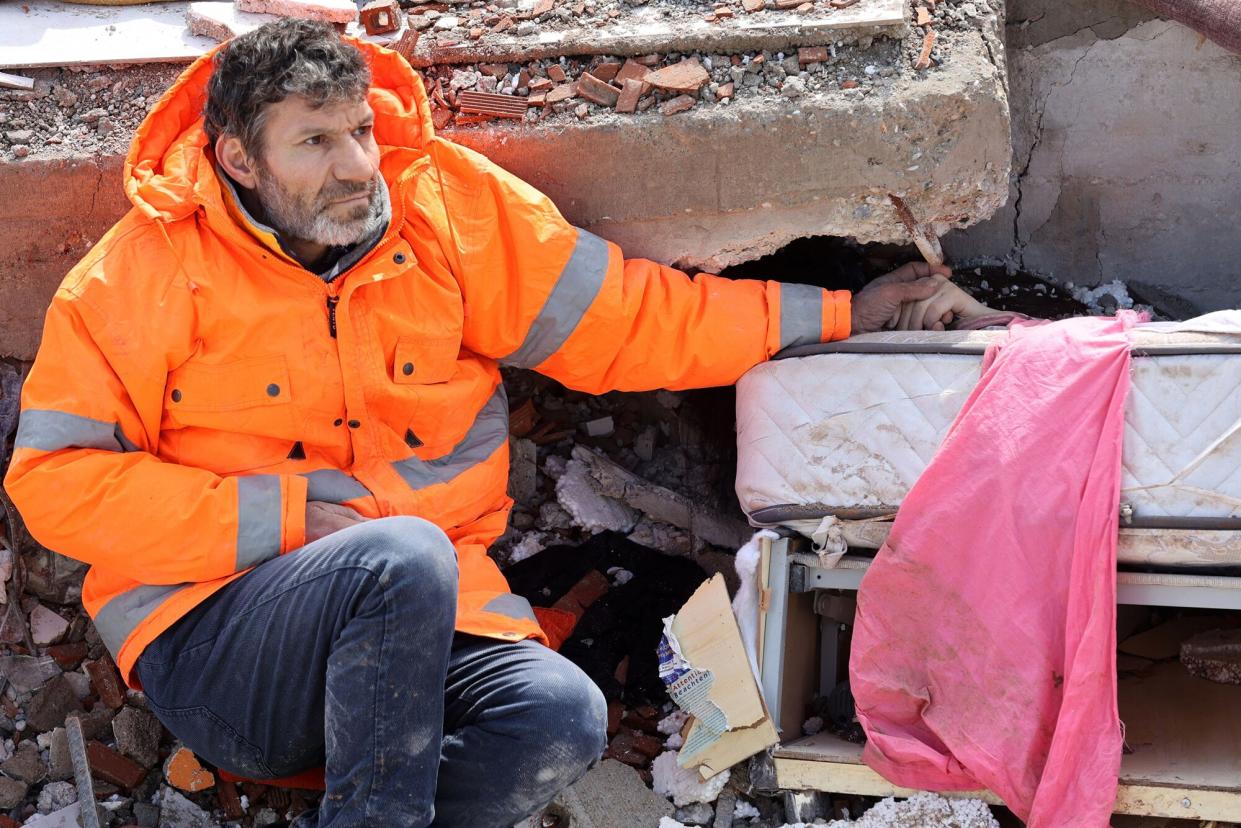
x,y
331,315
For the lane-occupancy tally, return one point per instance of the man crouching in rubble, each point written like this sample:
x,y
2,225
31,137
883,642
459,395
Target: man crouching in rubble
x,y
267,410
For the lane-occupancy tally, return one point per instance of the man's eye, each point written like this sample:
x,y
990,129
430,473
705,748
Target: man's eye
x,y
363,130
314,140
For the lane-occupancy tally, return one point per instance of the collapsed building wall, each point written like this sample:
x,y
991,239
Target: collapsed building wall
x,y
1126,155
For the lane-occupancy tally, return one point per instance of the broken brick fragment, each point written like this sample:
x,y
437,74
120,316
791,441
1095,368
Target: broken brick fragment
x,y
537,99
627,101
607,71
752,6
604,94
726,90
813,54
556,73
380,17
329,11
634,749
616,711
230,800
928,43
110,766
504,25
850,84
106,681
632,70
684,78
636,720
561,93
924,16
539,85
843,4
678,104
68,656
647,60
182,770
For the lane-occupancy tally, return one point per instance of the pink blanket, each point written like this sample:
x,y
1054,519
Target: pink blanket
x,y
984,649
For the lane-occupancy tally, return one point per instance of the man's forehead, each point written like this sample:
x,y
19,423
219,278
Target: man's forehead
x,y
297,113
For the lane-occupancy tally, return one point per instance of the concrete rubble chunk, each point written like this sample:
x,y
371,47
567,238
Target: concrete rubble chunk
x,y
56,796
28,673
64,818
523,470
612,796
696,813
46,627
137,735
222,20
60,763
686,77
589,509
175,811
26,764
12,793
329,11
54,701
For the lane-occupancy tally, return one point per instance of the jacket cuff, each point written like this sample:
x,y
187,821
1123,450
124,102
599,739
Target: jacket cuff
x,y
837,315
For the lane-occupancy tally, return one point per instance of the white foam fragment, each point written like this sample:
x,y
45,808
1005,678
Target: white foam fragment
x,y
683,785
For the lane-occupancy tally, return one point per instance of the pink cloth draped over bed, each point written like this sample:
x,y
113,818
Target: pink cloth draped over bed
x,y
984,648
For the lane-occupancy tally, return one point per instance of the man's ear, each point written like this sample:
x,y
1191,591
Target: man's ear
x,y
232,156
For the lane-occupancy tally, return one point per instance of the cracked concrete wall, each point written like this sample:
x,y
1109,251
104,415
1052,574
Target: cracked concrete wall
x,y
1126,155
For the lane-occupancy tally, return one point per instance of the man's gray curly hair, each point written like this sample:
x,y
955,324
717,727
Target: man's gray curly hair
x,y
287,57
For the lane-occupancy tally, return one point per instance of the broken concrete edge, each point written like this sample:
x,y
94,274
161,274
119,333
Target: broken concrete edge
x,y
695,35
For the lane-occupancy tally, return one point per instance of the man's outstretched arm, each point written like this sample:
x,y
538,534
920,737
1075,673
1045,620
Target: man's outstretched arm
x,y
543,294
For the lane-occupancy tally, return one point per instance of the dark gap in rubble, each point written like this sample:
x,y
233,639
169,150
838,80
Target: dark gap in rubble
x,y
838,263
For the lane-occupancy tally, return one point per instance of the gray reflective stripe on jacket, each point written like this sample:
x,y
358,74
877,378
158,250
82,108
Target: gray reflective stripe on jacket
x,y
801,315
488,433
511,606
333,486
48,430
572,295
122,615
259,519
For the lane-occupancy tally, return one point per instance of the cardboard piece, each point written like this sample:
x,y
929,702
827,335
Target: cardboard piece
x,y
703,662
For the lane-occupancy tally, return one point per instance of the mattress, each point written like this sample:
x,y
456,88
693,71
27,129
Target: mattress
x,y
843,430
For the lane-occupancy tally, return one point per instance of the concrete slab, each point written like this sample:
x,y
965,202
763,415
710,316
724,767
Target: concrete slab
x,y
645,30
49,33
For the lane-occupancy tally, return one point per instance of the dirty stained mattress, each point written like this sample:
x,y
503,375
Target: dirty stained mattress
x,y
844,429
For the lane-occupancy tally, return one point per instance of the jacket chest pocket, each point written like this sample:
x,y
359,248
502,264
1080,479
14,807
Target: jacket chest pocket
x,y
233,416
423,360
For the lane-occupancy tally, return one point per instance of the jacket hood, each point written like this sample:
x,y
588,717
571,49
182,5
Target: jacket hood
x,y
168,172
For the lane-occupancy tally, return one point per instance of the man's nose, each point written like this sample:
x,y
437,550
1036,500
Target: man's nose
x,y
353,163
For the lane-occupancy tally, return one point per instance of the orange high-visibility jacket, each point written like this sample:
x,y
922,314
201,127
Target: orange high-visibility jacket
x,y
189,396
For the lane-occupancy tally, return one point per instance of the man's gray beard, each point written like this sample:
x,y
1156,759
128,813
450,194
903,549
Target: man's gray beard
x,y
294,217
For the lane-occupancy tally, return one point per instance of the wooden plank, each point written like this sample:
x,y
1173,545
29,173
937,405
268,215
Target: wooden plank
x,y
801,662
15,81
1185,763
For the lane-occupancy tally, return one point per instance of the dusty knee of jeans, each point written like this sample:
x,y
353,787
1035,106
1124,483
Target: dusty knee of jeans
x,y
575,711
409,551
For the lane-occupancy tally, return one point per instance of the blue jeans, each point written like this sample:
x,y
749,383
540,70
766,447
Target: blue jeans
x,y
342,654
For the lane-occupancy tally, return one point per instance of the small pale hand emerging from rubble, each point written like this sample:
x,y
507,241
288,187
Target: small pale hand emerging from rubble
x,y
267,410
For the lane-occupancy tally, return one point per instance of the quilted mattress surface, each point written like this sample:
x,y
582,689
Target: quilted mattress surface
x,y
841,431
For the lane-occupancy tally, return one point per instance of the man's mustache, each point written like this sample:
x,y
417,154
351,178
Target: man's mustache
x,y
343,189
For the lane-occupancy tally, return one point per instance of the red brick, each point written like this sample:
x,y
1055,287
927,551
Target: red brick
x,y
726,90
540,84
608,71
604,94
677,104
537,99
106,681
647,60
928,43
632,70
686,77
110,766
230,801
636,720
752,6
556,73
616,711
630,93
561,93
813,54
924,16
850,84
68,656
504,25
380,17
